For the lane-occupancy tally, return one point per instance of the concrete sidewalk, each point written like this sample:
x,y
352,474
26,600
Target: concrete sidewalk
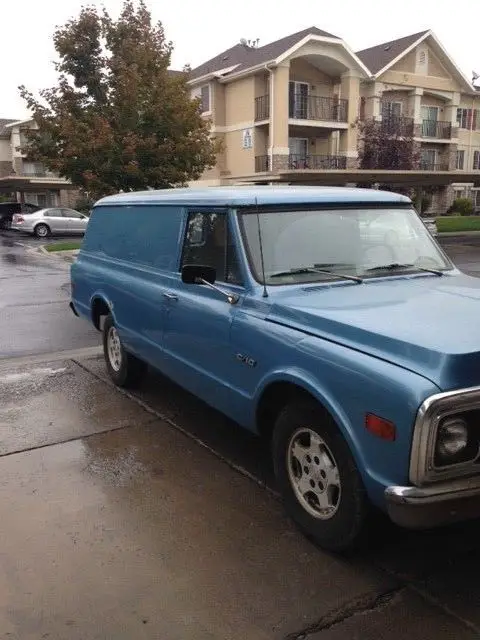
x,y
117,525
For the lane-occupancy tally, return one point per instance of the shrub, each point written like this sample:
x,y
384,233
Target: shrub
x,y
423,203
462,207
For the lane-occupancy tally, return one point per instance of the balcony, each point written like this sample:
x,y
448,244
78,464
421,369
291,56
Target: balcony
x,y
307,107
425,165
397,126
43,173
436,129
262,108
294,162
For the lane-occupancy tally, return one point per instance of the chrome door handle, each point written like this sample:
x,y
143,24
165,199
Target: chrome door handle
x,y
170,296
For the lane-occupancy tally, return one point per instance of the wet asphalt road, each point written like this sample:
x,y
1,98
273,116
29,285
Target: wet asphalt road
x,y
150,516
34,297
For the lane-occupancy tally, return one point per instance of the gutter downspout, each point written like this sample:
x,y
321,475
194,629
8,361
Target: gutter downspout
x,y
470,136
272,102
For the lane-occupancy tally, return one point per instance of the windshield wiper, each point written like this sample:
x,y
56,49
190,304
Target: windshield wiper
x,y
302,270
397,265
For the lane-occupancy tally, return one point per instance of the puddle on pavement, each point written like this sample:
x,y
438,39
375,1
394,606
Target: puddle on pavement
x,y
51,404
11,258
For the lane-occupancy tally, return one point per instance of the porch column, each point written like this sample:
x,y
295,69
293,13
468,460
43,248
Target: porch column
x,y
451,113
373,101
415,104
278,138
350,90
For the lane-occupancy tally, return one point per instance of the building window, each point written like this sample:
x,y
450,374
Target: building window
x,y
476,199
203,93
205,96
391,110
428,159
476,160
460,160
468,118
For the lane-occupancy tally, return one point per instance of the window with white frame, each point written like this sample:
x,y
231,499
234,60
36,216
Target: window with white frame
x,y
476,160
428,159
468,118
476,199
203,93
391,110
460,160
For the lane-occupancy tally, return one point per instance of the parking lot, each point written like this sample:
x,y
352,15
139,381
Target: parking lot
x,y
149,515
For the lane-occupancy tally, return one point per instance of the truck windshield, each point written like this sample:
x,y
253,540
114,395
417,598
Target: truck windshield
x,y
316,245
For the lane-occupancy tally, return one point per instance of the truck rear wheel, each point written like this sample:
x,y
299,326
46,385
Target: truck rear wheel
x,y
123,368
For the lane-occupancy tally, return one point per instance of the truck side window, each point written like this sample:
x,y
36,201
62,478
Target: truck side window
x,y
208,242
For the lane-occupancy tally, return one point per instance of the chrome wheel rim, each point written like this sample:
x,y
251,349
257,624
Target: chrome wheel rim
x,y
42,231
114,349
313,474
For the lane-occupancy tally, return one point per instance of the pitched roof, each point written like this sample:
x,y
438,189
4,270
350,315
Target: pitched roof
x,y
244,56
378,57
175,73
3,123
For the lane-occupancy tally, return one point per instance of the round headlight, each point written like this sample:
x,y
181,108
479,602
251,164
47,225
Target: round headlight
x,y
452,437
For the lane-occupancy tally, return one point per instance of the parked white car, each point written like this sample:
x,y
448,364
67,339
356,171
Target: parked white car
x,y
54,220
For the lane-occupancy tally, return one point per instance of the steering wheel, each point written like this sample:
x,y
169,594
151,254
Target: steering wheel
x,y
387,248
423,261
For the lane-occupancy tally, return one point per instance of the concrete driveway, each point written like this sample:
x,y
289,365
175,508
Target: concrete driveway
x,y
149,517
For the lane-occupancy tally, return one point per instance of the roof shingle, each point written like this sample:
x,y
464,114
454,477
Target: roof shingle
x,y
378,57
3,122
246,57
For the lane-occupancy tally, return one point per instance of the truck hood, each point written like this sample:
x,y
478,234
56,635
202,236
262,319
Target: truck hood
x,y
424,323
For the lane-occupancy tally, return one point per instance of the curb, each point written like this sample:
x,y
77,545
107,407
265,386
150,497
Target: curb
x,y
57,255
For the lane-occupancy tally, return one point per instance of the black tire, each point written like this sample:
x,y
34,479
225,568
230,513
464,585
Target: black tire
x,y
128,370
42,230
343,530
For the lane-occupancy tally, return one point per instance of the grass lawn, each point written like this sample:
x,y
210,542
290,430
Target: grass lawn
x,y
453,224
64,246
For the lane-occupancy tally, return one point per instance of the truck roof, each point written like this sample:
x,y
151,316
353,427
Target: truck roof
x,y
244,196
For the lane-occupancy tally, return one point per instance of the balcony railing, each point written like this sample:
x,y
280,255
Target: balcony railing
x,y
397,126
306,107
425,165
262,107
436,129
39,174
294,162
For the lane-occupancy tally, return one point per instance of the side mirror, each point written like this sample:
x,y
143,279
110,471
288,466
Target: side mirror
x,y
198,274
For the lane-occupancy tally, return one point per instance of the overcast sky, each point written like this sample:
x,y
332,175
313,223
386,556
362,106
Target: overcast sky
x,y
200,30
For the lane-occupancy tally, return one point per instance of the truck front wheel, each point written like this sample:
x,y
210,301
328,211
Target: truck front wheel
x,y
317,476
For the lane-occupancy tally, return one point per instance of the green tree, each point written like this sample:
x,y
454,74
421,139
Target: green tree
x,y
118,119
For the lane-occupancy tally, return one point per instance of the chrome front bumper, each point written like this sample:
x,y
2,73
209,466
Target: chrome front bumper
x,y
434,505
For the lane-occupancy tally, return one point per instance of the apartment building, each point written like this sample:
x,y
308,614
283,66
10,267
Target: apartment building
x,y
24,180
289,111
